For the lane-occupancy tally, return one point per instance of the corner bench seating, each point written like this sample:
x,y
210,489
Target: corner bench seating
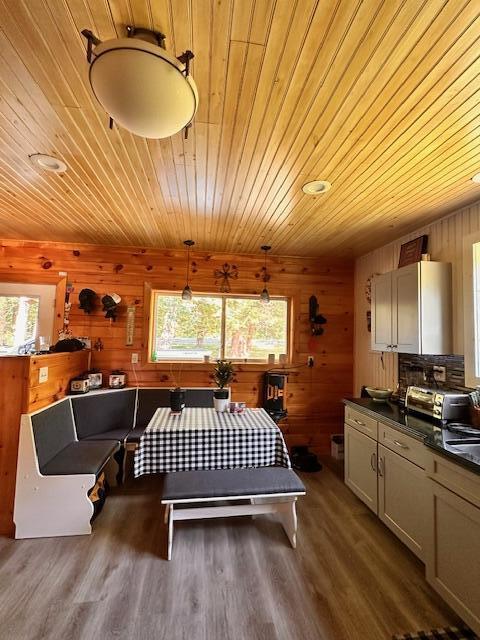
x,y
64,447
269,490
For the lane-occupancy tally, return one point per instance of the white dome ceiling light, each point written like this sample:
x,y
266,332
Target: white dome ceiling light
x,y
316,188
141,86
47,163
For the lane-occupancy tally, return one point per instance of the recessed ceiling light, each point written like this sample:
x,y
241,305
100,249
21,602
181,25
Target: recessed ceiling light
x,y
316,187
48,163
476,178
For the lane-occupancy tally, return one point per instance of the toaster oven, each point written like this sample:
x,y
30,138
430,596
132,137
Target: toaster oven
x,y
440,405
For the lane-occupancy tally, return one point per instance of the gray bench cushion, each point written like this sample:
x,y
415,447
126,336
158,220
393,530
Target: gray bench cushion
x,y
183,485
53,430
98,413
80,457
136,434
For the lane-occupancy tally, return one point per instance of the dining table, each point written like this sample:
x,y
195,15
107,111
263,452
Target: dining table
x,y
201,438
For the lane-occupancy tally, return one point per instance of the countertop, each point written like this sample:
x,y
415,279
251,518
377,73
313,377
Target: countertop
x,y
431,434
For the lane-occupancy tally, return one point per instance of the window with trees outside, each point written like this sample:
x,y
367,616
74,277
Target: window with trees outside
x,y
231,327
18,323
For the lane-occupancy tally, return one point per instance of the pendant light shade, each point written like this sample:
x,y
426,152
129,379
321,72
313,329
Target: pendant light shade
x,y
265,296
187,292
142,87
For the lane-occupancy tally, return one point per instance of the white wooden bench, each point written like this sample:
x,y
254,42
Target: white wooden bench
x,y
262,490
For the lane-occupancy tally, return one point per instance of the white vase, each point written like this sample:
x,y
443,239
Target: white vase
x,y
222,404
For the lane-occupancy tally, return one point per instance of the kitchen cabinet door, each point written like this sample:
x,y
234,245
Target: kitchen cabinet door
x,y
405,310
382,312
361,466
453,552
402,499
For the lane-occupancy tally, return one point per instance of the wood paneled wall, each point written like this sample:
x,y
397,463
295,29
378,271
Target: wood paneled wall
x,y
314,395
445,243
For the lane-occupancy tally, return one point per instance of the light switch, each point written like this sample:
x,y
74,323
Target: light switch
x,y
43,374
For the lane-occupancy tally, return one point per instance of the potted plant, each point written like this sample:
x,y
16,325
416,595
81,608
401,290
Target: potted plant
x,y
223,375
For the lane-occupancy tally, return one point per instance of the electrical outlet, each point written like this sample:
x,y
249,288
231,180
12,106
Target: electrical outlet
x,y
42,374
440,373
310,361
134,358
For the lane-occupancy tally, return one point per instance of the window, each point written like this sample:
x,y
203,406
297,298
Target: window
x,y
232,327
18,323
472,310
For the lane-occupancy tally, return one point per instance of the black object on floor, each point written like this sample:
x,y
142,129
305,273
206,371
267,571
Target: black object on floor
x,y
305,460
443,633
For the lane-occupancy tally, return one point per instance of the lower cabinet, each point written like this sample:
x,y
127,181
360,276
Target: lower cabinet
x,y
361,466
402,499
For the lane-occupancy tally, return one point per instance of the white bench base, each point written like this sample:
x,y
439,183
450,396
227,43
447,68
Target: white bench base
x,y
283,505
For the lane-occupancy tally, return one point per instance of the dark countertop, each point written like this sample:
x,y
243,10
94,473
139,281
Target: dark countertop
x,y
431,434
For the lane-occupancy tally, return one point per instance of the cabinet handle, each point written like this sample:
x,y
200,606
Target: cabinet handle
x,y
394,346
359,422
381,467
400,444
373,462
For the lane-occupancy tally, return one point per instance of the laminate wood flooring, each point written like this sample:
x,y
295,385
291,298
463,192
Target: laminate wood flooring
x,y
229,579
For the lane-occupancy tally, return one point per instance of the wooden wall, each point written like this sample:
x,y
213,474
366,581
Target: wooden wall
x,y
445,241
314,395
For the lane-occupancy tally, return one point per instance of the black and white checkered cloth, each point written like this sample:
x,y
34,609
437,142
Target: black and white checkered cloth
x,y
201,438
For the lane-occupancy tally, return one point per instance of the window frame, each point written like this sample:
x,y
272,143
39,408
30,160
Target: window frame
x,y
153,292
471,349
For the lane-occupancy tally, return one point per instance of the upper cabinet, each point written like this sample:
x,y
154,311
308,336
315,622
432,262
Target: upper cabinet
x,y
412,309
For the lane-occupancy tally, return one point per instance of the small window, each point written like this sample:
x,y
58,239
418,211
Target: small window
x,y
232,327
18,323
476,305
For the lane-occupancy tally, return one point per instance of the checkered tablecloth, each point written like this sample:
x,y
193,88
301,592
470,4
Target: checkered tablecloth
x,y
201,438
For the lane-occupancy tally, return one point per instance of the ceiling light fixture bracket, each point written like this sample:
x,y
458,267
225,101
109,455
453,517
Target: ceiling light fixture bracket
x,y
157,37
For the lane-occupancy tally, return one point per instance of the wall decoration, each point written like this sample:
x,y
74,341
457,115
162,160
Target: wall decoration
x,y
265,296
224,275
66,332
87,298
411,251
368,296
98,346
316,319
130,326
110,303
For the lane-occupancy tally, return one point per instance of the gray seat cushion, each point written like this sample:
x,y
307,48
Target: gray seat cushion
x,y
119,435
109,411
183,485
53,430
136,434
80,457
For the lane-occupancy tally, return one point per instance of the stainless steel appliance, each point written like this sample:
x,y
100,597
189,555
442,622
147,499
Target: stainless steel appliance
x,y
449,406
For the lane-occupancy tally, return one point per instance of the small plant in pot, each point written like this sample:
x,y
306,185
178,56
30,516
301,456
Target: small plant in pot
x,y
223,375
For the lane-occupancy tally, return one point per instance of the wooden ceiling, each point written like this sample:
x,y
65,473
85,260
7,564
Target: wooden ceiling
x,y
380,97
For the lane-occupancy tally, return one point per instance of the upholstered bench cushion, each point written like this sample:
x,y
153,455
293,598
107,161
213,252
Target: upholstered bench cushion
x,y
80,457
185,485
102,412
114,434
136,434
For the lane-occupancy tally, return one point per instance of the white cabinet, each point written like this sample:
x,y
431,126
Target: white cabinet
x,y
402,501
361,466
412,309
453,550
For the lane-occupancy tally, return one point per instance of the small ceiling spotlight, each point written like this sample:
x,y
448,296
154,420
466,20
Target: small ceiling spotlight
x,y
47,163
187,292
265,296
476,178
316,188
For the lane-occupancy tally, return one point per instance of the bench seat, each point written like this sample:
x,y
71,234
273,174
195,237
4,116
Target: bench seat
x,y
271,490
230,482
80,457
119,435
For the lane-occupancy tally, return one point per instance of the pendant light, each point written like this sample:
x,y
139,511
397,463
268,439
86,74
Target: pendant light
x,y
187,292
265,296
141,86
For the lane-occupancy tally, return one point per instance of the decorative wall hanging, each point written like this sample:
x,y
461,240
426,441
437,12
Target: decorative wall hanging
x,y
265,296
66,332
224,275
98,346
130,326
140,85
411,252
87,298
187,292
368,296
110,303
316,319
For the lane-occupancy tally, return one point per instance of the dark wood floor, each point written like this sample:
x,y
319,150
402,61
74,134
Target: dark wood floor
x,y
235,579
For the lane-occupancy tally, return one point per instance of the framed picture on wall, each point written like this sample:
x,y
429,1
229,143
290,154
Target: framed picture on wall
x,y
411,251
